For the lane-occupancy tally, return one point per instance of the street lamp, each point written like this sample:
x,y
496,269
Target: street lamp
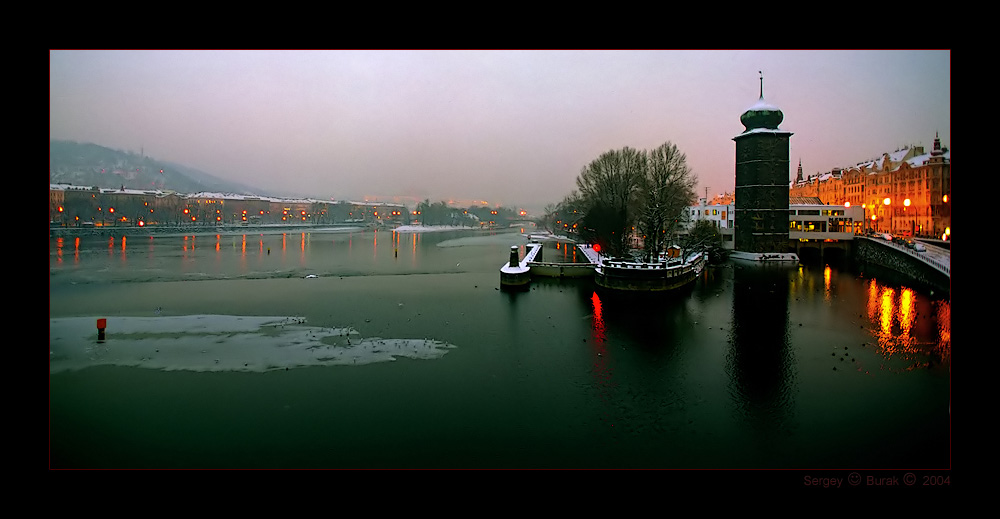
x,y
886,202
906,204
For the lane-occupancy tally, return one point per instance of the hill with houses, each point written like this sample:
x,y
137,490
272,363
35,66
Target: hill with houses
x,y
85,164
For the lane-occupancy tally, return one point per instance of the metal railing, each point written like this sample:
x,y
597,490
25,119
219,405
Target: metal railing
x,y
922,256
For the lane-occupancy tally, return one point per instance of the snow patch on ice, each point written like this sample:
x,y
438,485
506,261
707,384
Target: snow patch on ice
x,y
221,343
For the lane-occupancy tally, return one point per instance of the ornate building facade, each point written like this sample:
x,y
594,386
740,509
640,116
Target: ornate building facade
x,y
906,192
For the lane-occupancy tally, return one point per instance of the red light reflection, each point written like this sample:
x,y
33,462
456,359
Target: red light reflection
x,y
598,331
602,370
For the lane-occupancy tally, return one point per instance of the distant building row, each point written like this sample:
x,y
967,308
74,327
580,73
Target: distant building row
x,y
79,206
73,206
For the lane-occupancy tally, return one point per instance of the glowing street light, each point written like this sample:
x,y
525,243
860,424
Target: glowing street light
x,y
906,204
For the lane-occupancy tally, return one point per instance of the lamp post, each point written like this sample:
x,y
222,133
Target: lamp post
x,y
906,205
853,228
946,214
886,202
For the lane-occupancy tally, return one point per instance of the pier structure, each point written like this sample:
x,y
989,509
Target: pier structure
x,y
517,272
556,269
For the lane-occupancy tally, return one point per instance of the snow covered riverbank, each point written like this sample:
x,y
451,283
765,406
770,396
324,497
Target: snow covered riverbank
x,y
433,228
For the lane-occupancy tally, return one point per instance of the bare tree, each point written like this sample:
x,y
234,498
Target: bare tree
x,y
610,186
629,192
667,191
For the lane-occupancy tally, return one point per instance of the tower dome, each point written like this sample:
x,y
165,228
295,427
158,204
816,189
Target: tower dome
x,y
762,115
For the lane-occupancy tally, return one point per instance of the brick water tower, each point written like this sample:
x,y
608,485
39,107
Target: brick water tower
x,y
761,220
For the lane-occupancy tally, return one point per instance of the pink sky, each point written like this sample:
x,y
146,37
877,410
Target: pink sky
x,y
510,127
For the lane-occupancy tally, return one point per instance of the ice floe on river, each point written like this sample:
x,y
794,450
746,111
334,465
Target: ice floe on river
x,y
221,343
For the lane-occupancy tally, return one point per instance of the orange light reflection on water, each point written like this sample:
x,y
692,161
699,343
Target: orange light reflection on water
x,y
903,330
907,312
943,313
826,283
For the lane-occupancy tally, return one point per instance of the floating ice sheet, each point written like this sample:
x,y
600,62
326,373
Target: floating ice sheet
x,y
221,343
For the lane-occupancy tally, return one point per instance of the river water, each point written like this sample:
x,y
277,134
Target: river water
x,y
354,349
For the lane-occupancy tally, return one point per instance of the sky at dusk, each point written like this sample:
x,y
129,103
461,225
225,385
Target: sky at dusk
x,y
509,127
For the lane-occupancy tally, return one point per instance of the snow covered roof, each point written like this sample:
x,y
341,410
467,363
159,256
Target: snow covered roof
x,y
762,105
130,191
762,130
920,160
898,155
231,196
374,204
69,187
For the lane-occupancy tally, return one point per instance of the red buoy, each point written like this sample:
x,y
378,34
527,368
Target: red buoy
x,y
101,325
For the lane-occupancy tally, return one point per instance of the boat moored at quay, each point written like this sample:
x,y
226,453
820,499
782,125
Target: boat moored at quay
x,y
665,275
669,273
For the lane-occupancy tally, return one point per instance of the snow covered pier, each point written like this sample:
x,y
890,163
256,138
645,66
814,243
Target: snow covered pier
x,y
592,255
516,273
567,270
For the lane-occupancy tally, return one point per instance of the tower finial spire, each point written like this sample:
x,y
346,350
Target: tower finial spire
x,y
761,83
